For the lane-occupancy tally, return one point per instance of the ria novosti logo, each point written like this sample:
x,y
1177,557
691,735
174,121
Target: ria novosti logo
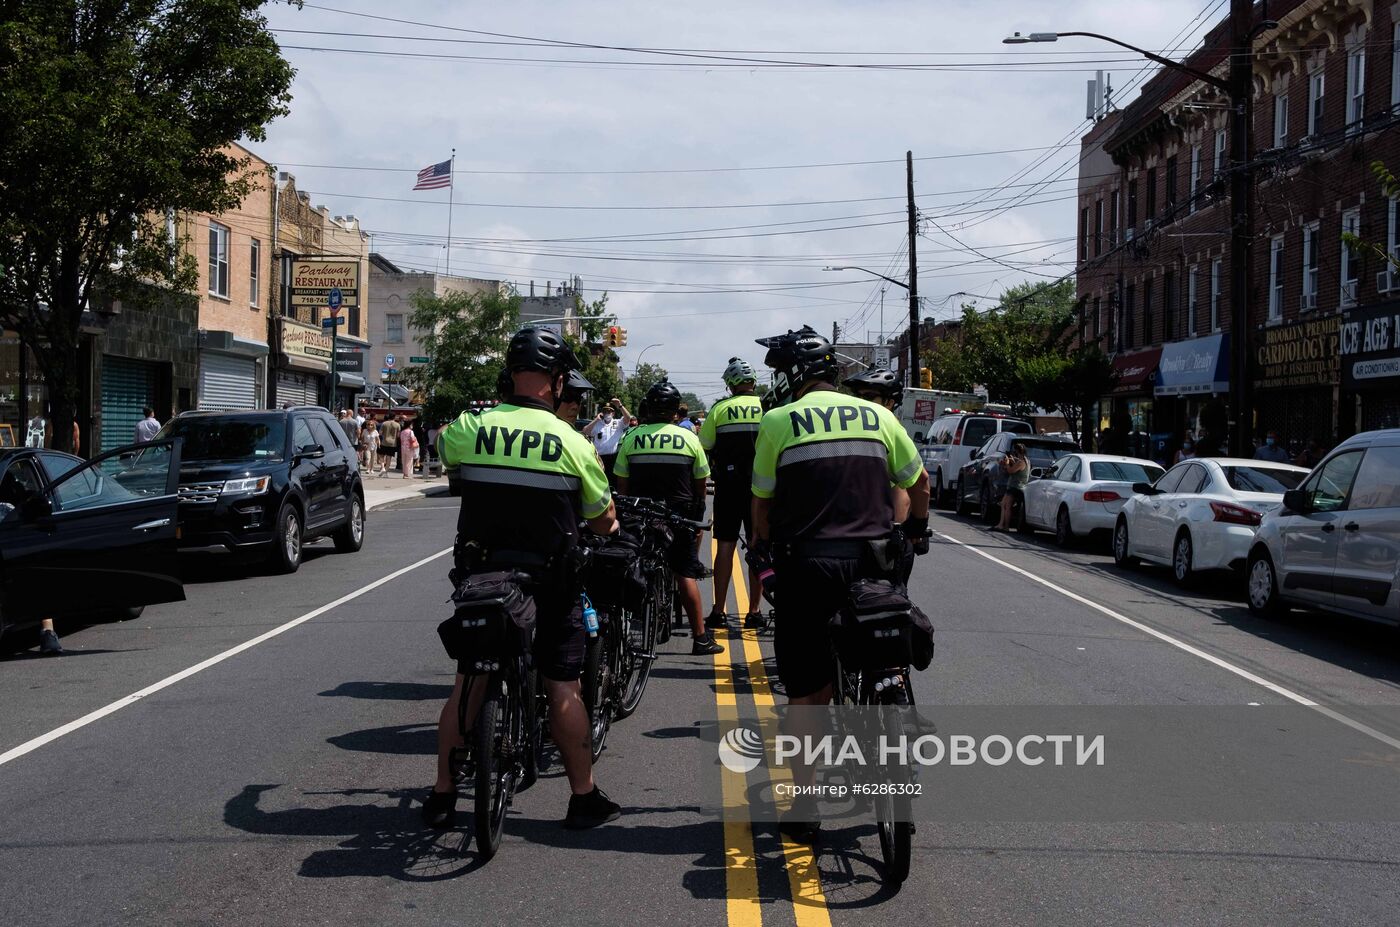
x,y
741,750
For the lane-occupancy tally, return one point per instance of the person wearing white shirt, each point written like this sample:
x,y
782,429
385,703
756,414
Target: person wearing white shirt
x,y
148,427
606,431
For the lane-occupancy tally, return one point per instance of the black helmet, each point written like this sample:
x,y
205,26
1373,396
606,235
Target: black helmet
x,y
576,382
877,380
541,350
505,384
799,358
662,399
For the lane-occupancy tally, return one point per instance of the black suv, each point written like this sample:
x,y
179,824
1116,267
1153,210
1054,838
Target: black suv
x,y
267,480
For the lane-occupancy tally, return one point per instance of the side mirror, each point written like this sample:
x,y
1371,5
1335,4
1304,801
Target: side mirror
x,y
310,452
1038,473
1296,500
35,507
975,454
1144,489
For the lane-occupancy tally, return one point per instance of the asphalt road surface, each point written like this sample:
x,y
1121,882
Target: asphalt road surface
x,y
159,774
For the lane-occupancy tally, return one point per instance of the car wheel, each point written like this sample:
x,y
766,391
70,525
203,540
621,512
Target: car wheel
x,y
1064,531
1181,559
351,536
940,495
990,516
1262,586
962,506
287,540
1120,545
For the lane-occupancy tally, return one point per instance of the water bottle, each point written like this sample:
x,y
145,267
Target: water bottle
x,y
590,616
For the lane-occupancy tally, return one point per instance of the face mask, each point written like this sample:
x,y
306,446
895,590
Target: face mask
x,y
1269,441
607,416
1186,447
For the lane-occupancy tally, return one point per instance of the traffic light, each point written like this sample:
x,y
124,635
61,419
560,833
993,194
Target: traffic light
x,y
617,337
925,378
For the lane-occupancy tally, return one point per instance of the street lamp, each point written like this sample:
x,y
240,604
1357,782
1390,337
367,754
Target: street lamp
x,y
870,272
913,376
1237,87
638,366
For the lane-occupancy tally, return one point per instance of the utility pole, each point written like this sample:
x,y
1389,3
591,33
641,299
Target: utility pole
x,y
913,378
1241,225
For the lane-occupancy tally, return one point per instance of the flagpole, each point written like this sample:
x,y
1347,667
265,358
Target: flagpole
x,y
451,169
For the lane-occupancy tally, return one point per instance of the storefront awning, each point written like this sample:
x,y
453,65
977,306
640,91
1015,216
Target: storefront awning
x,y
350,381
1197,367
1135,371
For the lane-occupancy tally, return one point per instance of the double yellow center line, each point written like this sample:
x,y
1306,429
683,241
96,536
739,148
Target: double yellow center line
x,y
741,862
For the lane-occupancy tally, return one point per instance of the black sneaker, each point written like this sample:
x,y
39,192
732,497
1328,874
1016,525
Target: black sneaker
x,y
440,809
801,823
705,645
591,810
49,645
754,620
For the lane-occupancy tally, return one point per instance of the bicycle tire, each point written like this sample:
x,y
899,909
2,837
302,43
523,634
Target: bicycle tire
x,y
495,720
893,813
641,651
595,684
661,603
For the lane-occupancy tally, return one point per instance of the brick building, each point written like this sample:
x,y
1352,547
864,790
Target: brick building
x,y
1154,229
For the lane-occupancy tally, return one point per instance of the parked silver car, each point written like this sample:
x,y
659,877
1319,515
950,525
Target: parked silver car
x,y
1335,543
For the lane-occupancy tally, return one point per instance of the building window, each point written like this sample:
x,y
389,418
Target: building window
x,y
1280,121
1125,324
1308,301
1084,234
1392,247
1215,282
1395,66
1098,323
1170,198
1098,227
1191,301
254,271
1276,273
1168,305
1351,258
352,321
1151,192
218,260
1132,205
1356,88
1195,174
393,327
1221,144
1317,86
1113,218
1148,337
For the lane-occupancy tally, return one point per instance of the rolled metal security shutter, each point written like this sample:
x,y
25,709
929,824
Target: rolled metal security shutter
x,y
127,387
299,389
226,384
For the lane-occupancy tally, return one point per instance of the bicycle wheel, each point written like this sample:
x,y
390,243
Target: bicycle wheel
x,y
639,651
893,813
663,591
596,686
498,732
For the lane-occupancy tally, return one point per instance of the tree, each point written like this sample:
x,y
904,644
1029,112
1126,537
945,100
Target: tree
x,y
1069,384
116,113
599,361
636,386
465,336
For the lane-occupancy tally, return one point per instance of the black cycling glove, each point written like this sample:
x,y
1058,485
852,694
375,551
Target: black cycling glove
x,y
916,531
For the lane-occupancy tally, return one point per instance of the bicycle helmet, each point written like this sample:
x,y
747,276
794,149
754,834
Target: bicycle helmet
x,y
798,359
576,382
662,400
879,381
541,350
738,372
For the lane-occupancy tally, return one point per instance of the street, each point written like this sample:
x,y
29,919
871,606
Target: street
x,y
281,784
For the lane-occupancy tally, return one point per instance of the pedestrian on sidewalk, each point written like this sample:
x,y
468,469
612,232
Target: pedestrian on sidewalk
x,y
1018,471
347,425
408,449
1272,450
389,444
146,429
369,446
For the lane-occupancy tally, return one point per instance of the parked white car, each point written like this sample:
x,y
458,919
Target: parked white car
x,y
1201,515
1084,493
1335,543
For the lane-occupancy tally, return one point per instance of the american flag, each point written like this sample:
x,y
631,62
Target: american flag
x,y
435,176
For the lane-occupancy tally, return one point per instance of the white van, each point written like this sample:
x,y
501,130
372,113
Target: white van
x,y
952,439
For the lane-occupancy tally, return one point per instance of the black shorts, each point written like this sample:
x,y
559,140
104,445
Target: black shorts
x,y
810,592
733,508
560,637
682,557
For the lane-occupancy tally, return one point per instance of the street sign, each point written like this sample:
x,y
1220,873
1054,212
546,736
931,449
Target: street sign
x,y
389,360
882,357
418,359
334,300
331,321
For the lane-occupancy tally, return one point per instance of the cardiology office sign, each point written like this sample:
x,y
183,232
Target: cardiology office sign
x,y
1369,345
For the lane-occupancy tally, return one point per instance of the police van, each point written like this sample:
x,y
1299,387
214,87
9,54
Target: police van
x,y
953,438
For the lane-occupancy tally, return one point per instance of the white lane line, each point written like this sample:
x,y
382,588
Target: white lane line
x,y
1188,648
32,745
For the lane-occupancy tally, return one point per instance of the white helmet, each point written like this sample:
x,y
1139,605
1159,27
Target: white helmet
x,y
738,372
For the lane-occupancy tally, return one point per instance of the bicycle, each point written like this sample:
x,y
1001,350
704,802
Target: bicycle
x,y
617,661
658,527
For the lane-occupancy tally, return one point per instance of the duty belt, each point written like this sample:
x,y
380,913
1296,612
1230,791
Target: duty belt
x,y
831,550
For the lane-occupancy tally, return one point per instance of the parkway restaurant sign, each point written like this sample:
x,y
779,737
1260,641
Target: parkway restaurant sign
x,y
1297,355
313,279
1370,347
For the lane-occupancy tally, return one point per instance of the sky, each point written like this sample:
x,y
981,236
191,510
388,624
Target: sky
x,y
706,166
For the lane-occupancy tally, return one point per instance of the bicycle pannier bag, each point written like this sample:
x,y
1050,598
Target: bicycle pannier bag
x,y
921,639
493,620
873,629
615,577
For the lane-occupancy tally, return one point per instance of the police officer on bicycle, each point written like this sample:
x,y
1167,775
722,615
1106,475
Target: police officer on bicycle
x,y
878,385
659,460
831,474
527,479
728,435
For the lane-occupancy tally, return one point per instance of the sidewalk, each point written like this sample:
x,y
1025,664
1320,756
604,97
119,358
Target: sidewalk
x,y
392,487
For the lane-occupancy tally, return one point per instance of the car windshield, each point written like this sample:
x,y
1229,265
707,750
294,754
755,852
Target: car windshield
x,y
1263,479
232,438
1016,427
1045,455
1124,472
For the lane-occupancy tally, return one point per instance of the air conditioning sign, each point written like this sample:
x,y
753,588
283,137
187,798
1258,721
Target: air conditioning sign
x,y
1369,345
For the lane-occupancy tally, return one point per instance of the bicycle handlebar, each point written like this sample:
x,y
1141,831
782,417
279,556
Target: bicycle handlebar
x,y
655,508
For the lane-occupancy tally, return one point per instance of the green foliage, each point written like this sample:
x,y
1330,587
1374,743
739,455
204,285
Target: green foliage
x,y
1390,187
465,336
1069,383
636,386
599,361
115,112
692,402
